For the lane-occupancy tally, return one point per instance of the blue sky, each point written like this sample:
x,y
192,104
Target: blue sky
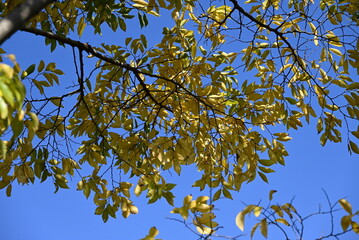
x,y
35,212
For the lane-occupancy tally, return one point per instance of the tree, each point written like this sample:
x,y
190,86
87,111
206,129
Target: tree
x,y
139,109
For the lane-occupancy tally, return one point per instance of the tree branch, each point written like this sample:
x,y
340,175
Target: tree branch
x,y
18,17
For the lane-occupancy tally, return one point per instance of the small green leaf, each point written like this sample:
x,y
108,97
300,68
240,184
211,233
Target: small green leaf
x,y
354,147
30,69
41,66
227,194
8,190
217,195
263,177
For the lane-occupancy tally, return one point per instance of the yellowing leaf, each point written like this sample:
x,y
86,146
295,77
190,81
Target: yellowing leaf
x,y
352,86
282,220
204,230
257,211
140,3
8,190
354,148
240,221
202,199
227,194
271,194
81,26
254,228
345,222
355,227
264,227
277,210
153,232
263,177
346,205
336,51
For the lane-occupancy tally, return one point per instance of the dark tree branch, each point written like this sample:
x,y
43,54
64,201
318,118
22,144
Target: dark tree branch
x,y
17,18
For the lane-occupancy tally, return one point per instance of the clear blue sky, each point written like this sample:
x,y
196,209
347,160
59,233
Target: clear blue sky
x,y
35,212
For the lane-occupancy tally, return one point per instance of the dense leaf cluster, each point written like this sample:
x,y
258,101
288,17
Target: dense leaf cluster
x,y
137,110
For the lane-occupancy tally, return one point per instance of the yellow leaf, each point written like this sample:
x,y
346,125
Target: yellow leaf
x,y
312,27
41,66
345,222
240,220
264,45
140,3
187,200
277,210
134,210
257,211
254,228
81,26
204,230
346,205
202,199
227,194
352,86
355,227
6,70
282,220
264,227
153,232
336,51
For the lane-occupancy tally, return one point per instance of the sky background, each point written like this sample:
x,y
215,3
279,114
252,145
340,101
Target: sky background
x,y
35,212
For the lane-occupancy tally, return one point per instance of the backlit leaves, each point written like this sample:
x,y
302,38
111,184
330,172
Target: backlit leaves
x,y
206,90
285,217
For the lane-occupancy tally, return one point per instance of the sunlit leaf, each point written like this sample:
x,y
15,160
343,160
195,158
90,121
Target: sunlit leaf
x,y
346,205
240,221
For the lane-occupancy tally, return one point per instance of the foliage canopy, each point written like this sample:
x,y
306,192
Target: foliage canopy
x,y
137,109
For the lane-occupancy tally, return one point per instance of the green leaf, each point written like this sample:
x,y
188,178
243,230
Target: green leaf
x,y
267,162
81,26
105,215
217,195
17,127
265,169
41,66
263,177
122,23
30,69
227,194
354,147
3,109
8,190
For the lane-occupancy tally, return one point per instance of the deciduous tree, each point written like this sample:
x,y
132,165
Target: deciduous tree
x,y
143,106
